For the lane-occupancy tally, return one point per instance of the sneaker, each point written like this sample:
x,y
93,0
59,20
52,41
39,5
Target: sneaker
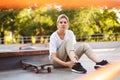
x,y
78,68
101,64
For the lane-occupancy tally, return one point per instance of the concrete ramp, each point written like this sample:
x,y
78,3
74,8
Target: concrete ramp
x,y
104,50
104,45
117,49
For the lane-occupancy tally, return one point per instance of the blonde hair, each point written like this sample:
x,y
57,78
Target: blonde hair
x,y
62,16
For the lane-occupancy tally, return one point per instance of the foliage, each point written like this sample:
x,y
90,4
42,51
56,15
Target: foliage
x,y
7,21
42,21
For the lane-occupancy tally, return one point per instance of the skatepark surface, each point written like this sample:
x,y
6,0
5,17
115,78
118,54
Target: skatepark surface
x,y
111,53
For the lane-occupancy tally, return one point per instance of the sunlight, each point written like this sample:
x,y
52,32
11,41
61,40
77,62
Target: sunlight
x,y
64,3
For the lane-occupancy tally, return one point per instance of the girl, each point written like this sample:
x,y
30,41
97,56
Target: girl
x,y
62,51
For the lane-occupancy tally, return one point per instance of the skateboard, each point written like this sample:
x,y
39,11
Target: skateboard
x,y
36,65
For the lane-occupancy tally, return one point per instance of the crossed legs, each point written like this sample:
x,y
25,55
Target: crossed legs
x,y
65,52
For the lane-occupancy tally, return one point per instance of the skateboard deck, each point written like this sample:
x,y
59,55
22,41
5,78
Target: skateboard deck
x,y
37,65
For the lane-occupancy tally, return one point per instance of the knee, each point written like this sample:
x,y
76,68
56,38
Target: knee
x,y
86,45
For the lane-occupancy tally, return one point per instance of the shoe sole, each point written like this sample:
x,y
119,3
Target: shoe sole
x,y
80,72
99,66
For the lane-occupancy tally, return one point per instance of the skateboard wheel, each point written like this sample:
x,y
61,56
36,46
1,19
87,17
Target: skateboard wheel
x,y
49,70
36,70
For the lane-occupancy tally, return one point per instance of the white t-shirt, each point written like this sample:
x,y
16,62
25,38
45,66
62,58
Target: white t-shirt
x,y
55,40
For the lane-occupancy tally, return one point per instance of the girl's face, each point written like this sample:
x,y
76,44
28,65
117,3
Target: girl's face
x,y
62,24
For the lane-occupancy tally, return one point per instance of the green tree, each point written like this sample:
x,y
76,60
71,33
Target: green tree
x,y
7,22
34,21
108,22
83,23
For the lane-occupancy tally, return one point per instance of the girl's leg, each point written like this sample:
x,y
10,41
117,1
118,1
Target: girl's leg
x,y
65,53
84,48
67,50
61,54
70,51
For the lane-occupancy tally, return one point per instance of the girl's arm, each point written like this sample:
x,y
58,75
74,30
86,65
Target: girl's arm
x,y
67,64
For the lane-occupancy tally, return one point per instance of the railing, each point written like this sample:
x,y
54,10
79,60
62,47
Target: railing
x,y
45,39
100,37
25,39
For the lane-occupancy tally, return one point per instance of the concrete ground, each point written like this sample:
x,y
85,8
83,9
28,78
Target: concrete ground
x,y
110,54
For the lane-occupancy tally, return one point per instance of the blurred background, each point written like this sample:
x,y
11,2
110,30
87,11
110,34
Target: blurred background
x,y
33,21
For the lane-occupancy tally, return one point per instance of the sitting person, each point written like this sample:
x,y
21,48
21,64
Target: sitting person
x,y
62,51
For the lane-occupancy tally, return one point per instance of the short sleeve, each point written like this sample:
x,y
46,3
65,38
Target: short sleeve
x,y
73,37
52,45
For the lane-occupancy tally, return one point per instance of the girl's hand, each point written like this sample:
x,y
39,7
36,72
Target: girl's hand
x,y
70,64
76,57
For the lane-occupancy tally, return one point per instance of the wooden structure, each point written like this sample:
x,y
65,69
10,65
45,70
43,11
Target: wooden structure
x,y
11,60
